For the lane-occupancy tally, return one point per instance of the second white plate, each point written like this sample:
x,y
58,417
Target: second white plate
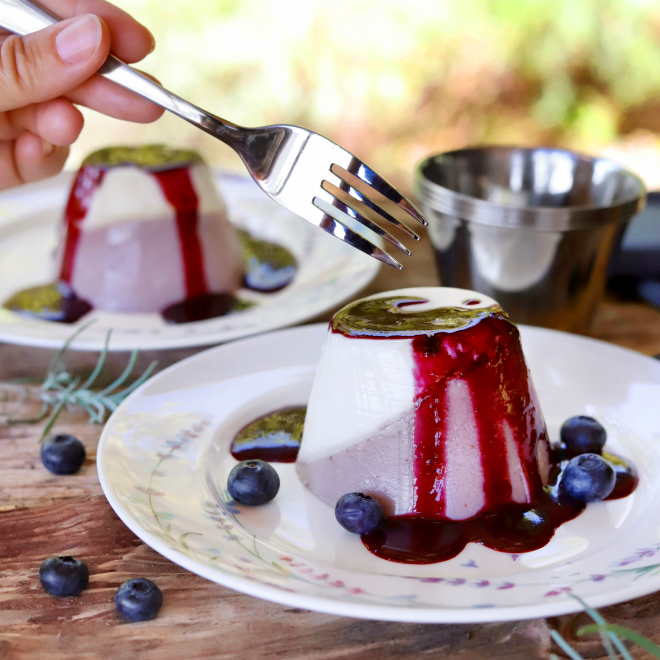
x,y
330,272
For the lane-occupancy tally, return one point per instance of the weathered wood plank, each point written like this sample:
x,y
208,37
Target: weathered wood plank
x,y
198,619
630,324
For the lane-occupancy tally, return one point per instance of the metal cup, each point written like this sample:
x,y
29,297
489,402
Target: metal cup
x,y
533,228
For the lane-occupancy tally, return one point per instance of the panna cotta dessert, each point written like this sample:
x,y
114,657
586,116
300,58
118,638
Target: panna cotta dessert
x,y
145,228
422,399
423,432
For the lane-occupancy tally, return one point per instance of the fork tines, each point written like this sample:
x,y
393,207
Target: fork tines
x,y
344,204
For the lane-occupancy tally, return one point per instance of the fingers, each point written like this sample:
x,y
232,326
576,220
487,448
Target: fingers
x,y
49,63
29,159
115,101
36,159
131,41
61,61
58,122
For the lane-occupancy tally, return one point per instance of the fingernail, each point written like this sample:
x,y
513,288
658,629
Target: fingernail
x,y
79,41
47,147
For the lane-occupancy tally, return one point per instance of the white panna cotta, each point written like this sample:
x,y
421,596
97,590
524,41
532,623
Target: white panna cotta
x,y
145,228
422,398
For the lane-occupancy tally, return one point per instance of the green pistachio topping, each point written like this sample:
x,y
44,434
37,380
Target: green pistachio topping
x,y
284,427
396,317
265,252
614,460
240,305
150,156
37,300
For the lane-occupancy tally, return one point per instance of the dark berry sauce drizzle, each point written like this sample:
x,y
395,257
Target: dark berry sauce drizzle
x,y
86,183
512,528
180,193
200,304
488,357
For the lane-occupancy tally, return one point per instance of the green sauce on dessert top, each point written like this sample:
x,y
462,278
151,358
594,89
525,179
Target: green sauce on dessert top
x,y
154,156
396,317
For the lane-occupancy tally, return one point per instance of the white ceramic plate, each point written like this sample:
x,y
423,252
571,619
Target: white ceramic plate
x,y
164,458
330,272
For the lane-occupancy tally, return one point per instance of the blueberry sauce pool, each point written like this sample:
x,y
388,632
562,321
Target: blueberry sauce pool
x,y
513,528
203,308
269,266
626,477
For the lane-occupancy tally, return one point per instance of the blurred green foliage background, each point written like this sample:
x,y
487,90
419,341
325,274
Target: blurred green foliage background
x,y
396,80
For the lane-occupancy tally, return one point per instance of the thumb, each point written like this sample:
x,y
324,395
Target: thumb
x,y
49,63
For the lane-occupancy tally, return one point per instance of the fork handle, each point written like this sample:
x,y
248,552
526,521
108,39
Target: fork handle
x,y
25,16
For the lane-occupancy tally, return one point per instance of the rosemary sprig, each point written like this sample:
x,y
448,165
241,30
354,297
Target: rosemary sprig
x,y
61,390
610,634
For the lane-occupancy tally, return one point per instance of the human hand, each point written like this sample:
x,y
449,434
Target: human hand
x,y
43,74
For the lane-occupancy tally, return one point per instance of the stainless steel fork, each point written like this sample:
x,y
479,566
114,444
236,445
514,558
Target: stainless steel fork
x,y
303,171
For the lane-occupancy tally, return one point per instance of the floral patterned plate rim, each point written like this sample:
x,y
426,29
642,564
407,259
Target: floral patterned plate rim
x,y
330,272
164,457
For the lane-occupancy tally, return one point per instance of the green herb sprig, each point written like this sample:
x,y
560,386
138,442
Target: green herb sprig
x,y
610,635
61,390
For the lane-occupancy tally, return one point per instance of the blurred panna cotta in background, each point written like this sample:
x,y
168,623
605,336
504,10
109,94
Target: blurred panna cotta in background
x,y
422,399
145,228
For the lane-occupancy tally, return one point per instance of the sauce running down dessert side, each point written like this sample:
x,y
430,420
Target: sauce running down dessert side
x,y
267,267
480,347
511,528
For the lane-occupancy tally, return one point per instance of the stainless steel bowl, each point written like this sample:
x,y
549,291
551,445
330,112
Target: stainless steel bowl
x,y
533,228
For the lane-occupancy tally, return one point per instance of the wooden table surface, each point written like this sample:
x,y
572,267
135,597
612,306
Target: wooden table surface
x,y
42,514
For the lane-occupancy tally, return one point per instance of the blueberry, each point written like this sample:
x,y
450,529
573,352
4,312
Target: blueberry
x,y
253,482
583,435
138,599
62,454
63,576
358,513
589,478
